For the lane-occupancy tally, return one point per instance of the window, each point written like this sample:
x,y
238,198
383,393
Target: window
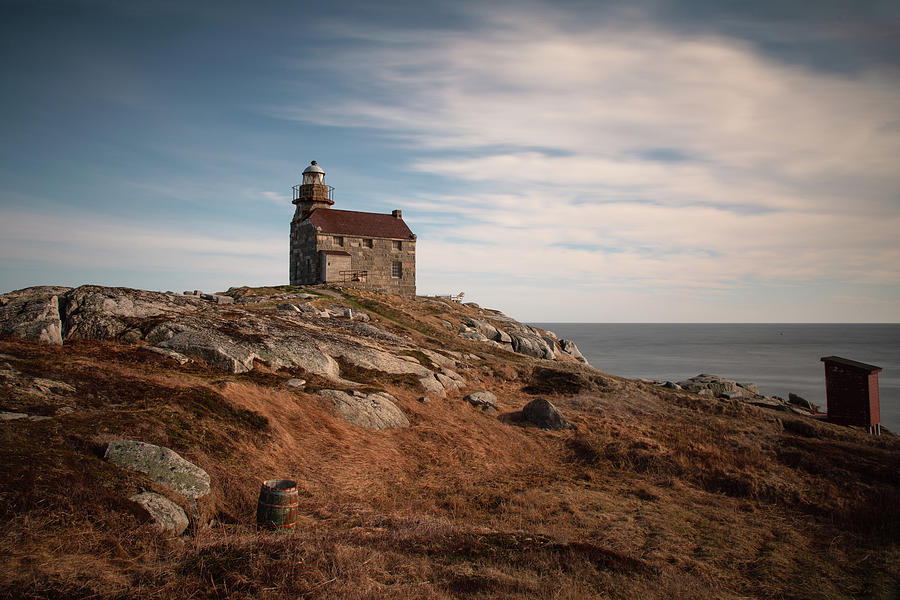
x,y
398,245
367,242
397,269
338,240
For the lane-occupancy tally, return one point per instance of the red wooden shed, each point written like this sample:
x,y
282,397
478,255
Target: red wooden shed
x,y
851,392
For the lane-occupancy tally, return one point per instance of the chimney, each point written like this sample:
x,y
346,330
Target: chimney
x,y
397,214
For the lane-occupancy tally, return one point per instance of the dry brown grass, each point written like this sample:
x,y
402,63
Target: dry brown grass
x,y
656,495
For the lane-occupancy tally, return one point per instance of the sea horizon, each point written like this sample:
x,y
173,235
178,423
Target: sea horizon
x,y
781,358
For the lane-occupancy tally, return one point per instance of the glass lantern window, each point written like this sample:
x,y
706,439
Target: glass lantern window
x,y
317,178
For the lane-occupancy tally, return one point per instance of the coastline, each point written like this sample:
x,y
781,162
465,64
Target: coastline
x,y
778,357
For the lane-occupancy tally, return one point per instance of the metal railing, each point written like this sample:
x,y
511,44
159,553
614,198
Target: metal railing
x,y
296,191
354,275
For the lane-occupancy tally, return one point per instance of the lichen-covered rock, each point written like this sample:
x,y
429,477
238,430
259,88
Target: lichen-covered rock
x,y
167,516
486,329
482,399
569,347
532,345
715,385
439,359
163,465
542,413
750,387
472,334
448,383
217,349
102,313
373,411
433,386
32,314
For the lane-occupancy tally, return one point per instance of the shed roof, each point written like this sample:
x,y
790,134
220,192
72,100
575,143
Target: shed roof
x,y
363,224
851,363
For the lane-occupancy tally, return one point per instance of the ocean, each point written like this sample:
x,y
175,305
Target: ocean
x,y
779,358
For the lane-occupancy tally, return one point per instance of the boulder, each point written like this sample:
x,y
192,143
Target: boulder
x,y
471,334
374,411
715,385
433,386
167,516
32,314
542,413
482,399
532,345
766,402
439,359
453,375
750,387
448,382
162,465
217,298
801,402
295,383
486,329
568,347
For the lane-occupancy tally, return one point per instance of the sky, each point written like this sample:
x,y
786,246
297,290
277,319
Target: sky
x,y
644,161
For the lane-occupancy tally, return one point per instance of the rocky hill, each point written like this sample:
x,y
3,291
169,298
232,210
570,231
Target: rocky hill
x,y
441,450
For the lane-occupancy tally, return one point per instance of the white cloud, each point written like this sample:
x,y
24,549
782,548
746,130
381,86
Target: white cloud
x,y
553,140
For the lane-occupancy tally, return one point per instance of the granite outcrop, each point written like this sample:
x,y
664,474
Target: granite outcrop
x,y
291,331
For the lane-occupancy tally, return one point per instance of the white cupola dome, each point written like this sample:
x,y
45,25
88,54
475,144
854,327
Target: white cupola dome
x,y
313,174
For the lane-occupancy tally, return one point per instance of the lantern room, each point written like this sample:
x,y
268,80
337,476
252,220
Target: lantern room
x,y
313,174
312,193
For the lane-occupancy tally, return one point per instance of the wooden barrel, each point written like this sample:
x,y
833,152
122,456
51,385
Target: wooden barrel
x,y
278,504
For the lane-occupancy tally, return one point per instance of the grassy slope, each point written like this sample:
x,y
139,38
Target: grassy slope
x,y
657,495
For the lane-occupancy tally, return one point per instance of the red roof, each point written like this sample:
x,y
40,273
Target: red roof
x,y
363,224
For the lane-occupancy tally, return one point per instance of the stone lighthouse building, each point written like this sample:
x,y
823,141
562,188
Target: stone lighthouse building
x,y
359,249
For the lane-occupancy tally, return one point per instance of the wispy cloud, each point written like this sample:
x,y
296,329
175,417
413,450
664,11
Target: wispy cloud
x,y
665,160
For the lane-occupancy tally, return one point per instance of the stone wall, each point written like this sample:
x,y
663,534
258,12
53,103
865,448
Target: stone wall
x,y
304,259
377,261
333,268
